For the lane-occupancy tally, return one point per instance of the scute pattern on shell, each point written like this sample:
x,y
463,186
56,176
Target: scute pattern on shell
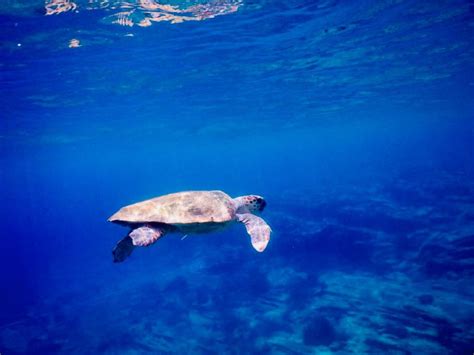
x,y
180,208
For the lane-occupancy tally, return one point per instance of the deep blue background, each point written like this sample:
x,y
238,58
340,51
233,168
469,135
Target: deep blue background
x,y
355,121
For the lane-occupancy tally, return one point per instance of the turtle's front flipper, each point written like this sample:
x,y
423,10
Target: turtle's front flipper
x,y
258,230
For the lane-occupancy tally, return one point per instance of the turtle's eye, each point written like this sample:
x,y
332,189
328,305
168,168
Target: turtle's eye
x,y
261,204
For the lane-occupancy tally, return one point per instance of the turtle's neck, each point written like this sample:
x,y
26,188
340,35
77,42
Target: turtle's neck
x,y
241,205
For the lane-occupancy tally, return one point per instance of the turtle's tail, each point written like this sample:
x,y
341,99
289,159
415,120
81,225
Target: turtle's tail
x,y
123,249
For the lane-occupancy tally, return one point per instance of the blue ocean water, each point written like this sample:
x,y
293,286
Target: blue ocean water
x,y
354,120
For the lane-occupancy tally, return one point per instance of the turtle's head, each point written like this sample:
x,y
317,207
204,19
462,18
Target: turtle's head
x,y
250,203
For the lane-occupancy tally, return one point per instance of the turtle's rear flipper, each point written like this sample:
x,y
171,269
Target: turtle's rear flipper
x,y
142,236
123,249
258,230
146,235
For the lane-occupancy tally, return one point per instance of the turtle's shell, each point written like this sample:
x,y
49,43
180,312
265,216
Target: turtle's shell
x,y
179,208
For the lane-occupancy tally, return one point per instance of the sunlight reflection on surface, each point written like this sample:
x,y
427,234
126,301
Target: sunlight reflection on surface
x,y
144,12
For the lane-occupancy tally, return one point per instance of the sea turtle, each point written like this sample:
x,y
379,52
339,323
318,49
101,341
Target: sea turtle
x,y
189,212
